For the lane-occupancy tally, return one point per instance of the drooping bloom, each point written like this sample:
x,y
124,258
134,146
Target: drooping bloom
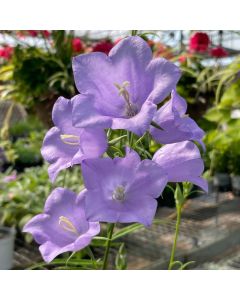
x,y
120,90
122,189
65,145
63,225
103,46
182,162
77,45
176,125
199,42
219,52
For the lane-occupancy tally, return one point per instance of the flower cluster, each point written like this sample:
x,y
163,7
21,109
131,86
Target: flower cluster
x,y
200,43
121,90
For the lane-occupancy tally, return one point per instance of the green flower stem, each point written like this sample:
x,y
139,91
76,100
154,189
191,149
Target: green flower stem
x,y
179,210
109,240
130,139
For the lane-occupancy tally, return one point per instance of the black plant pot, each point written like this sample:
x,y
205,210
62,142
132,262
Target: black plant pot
x,y
222,182
235,180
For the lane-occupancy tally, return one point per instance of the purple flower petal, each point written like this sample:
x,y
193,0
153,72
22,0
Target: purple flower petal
x,y
122,189
85,113
66,145
177,126
139,123
63,225
165,77
182,162
149,173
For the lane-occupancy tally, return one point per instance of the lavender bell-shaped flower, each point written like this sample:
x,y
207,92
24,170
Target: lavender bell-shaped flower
x,y
182,162
121,90
176,125
63,225
65,145
122,189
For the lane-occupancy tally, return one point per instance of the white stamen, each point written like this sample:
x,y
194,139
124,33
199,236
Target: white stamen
x,y
131,110
67,225
70,139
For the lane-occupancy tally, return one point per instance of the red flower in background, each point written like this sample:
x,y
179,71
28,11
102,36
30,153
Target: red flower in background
x,y
103,46
77,45
6,52
35,33
46,33
32,33
218,52
199,42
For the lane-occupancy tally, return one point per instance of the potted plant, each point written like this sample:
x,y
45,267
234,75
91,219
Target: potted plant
x,y
7,236
221,179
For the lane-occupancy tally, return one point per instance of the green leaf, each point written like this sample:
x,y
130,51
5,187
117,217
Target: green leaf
x,y
63,262
121,258
134,227
217,115
184,266
116,140
126,230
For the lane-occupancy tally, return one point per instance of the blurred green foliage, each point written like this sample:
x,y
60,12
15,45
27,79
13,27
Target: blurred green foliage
x,y
223,123
37,74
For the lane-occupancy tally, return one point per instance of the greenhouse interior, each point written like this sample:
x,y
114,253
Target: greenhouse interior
x,y
119,150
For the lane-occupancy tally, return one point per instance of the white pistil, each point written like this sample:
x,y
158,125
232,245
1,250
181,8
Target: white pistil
x,y
70,139
119,193
131,111
67,225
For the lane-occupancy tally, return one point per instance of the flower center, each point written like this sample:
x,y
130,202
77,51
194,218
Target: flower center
x,y
67,225
119,193
131,110
70,139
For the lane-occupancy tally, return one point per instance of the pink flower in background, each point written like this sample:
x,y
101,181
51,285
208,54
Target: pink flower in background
x,y
103,46
77,45
117,41
6,52
199,42
11,177
218,52
182,59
